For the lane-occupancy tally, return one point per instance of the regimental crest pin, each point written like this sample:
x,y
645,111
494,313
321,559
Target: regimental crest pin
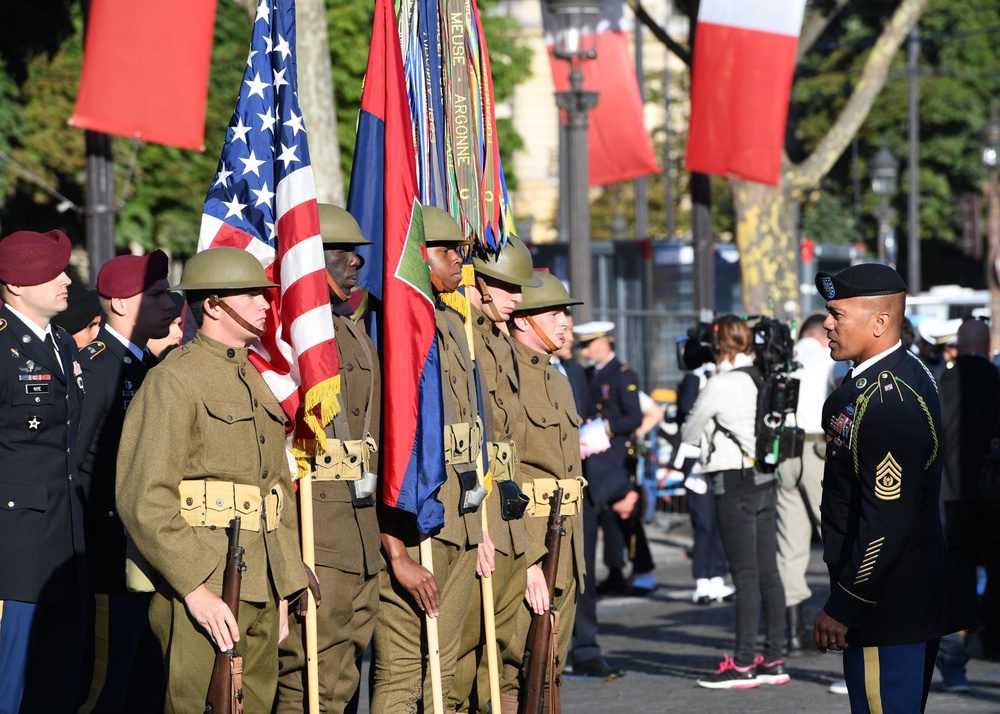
x,y
888,479
860,384
828,289
33,423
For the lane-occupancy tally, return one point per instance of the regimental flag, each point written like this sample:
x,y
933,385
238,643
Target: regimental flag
x,y
263,200
384,200
449,85
619,148
744,59
145,71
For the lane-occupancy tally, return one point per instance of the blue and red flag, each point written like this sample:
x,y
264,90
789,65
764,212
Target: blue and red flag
x,y
263,200
384,199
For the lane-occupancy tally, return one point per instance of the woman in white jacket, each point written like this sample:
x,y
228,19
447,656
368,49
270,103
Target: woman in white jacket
x,y
722,423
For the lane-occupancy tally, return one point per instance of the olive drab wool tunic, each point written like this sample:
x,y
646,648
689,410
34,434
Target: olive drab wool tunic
x,y
459,388
550,425
338,545
206,413
495,355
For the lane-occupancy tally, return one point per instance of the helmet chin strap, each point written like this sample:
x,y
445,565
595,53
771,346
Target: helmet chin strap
x,y
488,306
541,335
336,288
216,301
438,285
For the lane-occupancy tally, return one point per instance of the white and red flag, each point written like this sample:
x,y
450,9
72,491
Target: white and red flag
x,y
744,59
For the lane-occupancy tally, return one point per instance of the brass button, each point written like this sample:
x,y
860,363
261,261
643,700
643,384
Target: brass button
x,y
229,418
327,459
569,468
500,401
262,438
255,402
230,352
111,514
349,368
555,404
243,372
10,504
38,400
246,505
264,475
322,494
218,502
534,360
355,411
188,501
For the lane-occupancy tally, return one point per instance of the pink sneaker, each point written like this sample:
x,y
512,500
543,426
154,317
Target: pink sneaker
x,y
729,676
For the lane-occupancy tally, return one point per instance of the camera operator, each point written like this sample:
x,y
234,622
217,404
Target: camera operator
x,y
723,422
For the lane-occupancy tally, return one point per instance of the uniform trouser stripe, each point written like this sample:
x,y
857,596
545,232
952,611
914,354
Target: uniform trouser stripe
x,y
873,682
889,679
15,632
102,638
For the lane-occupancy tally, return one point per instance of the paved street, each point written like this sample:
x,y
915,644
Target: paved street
x,y
665,642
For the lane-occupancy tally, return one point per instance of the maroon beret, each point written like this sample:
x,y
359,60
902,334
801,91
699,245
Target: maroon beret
x,y
129,275
30,258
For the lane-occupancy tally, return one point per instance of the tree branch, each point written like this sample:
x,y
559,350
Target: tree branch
x,y
811,171
659,33
815,25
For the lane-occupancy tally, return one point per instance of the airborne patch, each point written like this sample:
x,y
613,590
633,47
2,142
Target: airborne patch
x,y
888,479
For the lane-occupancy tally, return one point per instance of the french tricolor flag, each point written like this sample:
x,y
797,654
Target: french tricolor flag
x,y
744,59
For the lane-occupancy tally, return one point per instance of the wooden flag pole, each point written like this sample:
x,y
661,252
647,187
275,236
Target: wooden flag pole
x,y
433,646
309,558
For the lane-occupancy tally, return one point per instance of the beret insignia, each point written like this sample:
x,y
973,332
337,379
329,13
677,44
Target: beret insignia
x,y
828,290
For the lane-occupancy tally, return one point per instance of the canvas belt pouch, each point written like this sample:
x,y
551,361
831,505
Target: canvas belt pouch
x,y
540,490
350,461
503,463
213,504
139,575
462,447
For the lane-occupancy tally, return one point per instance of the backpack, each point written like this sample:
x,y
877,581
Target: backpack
x,y
775,441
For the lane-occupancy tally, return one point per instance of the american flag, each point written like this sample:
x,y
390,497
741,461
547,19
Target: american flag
x,y
263,200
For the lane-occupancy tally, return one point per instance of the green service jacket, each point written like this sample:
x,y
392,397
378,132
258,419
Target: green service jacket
x,y
549,426
206,413
495,357
460,400
347,538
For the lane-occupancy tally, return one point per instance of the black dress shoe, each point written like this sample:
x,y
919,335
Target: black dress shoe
x,y
614,584
596,668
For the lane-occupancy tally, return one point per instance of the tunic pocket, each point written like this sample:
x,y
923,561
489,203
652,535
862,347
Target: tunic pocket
x,y
230,439
23,495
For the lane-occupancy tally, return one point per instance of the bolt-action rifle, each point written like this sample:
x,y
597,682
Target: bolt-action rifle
x,y
542,649
225,693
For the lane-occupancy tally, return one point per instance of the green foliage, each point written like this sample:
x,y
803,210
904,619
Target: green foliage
x,y
959,51
828,218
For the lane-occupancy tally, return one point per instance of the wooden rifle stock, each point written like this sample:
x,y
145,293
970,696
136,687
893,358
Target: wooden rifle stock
x,y
541,652
225,692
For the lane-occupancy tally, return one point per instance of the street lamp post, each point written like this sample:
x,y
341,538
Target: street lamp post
x,y
574,25
989,138
885,171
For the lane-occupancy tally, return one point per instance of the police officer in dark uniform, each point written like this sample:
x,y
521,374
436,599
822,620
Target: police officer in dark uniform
x,y
345,525
135,299
614,397
43,573
894,590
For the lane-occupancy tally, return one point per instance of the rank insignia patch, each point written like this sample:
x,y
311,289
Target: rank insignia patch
x,y
888,479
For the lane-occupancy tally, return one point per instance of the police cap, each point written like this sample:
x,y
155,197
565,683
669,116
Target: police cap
x,y
862,280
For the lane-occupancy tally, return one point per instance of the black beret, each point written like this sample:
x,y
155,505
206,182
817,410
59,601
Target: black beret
x,y
84,306
860,280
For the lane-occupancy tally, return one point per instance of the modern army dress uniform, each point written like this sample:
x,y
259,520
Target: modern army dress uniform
x,y
345,527
126,670
549,428
892,581
614,397
43,571
204,442
402,676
